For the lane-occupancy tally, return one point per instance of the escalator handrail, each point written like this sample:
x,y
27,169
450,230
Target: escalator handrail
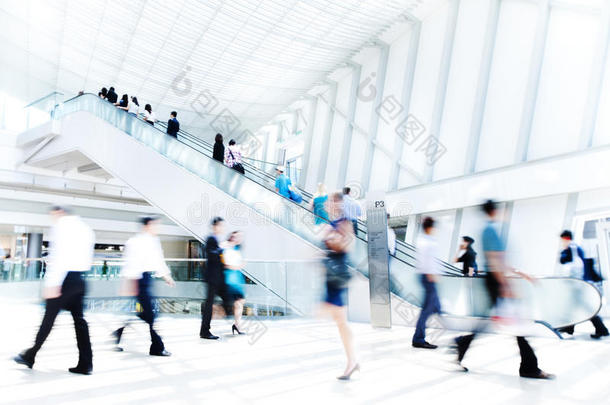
x,y
449,269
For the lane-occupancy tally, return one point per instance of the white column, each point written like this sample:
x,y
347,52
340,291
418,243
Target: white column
x,y
374,123
482,85
313,104
591,110
349,124
529,104
330,101
405,99
443,76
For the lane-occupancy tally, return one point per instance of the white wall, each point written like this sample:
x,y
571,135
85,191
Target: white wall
x,y
564,82
540,64
533,239
507,84
425,85
462,87
338,129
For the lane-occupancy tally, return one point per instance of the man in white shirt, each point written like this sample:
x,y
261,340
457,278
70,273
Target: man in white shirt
x,y
428,268
351,208
71,254
144,259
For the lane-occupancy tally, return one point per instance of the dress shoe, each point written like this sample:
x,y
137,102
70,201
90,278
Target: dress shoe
x,y
599,335
540,375
164,353
20,359
81,370
424,345
210,337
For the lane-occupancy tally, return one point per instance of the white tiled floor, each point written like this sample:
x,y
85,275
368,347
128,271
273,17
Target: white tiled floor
x,y
294,361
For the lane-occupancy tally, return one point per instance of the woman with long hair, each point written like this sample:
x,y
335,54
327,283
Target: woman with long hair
x,y
124,103
338,238
134,106
234,279
149,116
219,149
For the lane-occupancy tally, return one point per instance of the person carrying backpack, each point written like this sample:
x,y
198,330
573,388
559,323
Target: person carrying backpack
x,y
572,258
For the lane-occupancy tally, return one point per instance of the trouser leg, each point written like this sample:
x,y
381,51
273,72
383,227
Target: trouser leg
x,y
85,355
207,307
431,305
600,328
148,316
529,362
52,308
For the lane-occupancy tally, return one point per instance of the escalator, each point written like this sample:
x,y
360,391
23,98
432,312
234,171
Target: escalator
x,y
404,251
179,177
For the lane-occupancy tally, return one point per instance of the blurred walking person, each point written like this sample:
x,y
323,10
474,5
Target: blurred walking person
x,y
318,205
71,254
572,258
282,182
427,267
338,238
499,287
352,208
234,278
214,277
143,261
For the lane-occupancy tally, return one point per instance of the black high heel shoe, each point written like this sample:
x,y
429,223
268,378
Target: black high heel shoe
x,y
348,375
234,329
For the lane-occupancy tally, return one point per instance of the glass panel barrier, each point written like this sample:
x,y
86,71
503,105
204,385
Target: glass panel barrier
x,y
286,288
556,302
246,189
263,173
42,110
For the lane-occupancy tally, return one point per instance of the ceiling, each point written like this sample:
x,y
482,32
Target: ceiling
x,y
251,57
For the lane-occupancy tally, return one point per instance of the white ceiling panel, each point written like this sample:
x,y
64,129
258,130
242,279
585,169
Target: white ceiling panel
x,y
254,56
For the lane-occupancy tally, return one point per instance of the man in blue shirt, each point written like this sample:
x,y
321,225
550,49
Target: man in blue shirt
x,y
282,183
499,286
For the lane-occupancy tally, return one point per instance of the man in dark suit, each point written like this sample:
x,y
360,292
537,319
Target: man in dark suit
x,y
173,126
111,96
214,277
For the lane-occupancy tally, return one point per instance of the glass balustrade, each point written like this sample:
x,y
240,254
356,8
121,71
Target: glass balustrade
x,y
286,287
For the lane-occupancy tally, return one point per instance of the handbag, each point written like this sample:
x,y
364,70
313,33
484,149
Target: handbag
x,y
237,166
338,273
295,195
